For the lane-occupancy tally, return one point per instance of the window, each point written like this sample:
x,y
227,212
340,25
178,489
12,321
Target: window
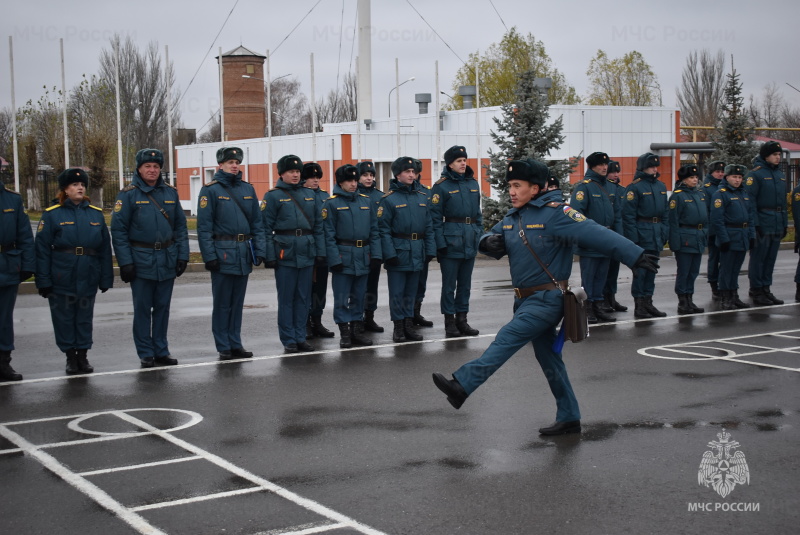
x,y
251,69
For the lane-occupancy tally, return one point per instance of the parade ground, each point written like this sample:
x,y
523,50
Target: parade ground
x,y
690,424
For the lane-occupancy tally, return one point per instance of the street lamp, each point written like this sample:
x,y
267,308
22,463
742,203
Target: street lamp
x,y
395,87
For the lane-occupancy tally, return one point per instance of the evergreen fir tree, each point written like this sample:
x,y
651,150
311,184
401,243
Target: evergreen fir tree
x,y
733,138
523,133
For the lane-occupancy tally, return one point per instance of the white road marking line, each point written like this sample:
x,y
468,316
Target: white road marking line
x,y
304,529
193,499
137,466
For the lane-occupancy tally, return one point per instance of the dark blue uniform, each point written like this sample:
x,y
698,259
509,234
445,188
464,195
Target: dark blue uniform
x,y
352,240
766,185
551,228
732,221
223,233
153,241
594,199
371,297
610,287
688,231
796,218
319,279
406,234
710,187
16,255
644,221
422,283
73,257
457,226
293,225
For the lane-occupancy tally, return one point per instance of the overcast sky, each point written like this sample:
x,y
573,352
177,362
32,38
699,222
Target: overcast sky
x,y
761,36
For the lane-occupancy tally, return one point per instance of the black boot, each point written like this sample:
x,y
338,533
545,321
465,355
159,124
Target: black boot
x,y
419,319
797,292
450,329
715,294
399,334
639,310
604,306
72,362
309,329
768,295
369,322
463,326
615,306
651,308
319,329
726,300
344,335
683,305
759,298
356,330
455,393
83,362
738,303
7,373
411,333
600,314
695,309
590,317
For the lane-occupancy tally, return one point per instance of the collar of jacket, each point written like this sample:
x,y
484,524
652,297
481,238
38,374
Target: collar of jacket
x,y
550,196
452,175
397,186
229,179
725,184
597,177
759,161
285,185
645,176
339,192
713,181
139,182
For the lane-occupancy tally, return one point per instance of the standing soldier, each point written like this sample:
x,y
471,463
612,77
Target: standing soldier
x,y
457,226
353,244
419,319
644,221
732,217
73,261
796,218
688,227
17,264
295,244
407,244
610,287
766,185
151,243
230,233
309,178
716,170
597,202
366,186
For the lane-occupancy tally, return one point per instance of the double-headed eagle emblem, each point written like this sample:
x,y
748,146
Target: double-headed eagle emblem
x,y
721,468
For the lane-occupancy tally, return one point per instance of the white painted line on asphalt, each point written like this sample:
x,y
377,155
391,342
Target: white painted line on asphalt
x,y
304,529
137,466
193,499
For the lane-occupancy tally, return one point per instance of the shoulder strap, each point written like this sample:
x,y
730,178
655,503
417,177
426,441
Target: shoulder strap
x,y
232,196
536,256
300,207
152,200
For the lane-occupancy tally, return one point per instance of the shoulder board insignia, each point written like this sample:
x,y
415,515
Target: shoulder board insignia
x,y
332,197
360,195
386,194
14,192
635,181
554,204
53,207
424,186
723,189
171,186
677,191
95,207
211,183
756,168
441,180
587,180
423,193
129,187
273,189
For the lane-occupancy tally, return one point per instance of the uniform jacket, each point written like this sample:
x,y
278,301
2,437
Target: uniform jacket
x,y
69,226
619,195
293,207
646,198
405,210
796,212
375,195
456,196
349,216
732,207
767,187
15,229
710,187
219,215
594,198
552,228
137,219
688,220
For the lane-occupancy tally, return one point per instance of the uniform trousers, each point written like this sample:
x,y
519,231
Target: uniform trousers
x,y
456,284
422,284
713,259
226,319
72,320
402,293
294,302
534,321
371,298
348,297
644,283
151,301
688,270
594,271
319,289
762,260
730,264
8,297
797,273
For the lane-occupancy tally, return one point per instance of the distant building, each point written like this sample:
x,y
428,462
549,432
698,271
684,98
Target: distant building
x,y
243,94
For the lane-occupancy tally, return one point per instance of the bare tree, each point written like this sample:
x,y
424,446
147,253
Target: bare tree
x,y
213,133
702,89
791,119
290,110
768,111
340,105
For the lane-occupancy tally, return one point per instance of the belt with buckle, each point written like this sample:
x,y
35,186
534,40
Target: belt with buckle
x,y
776,209
153,245
699,226
466,220
7,247
649,219
353,243
736,225
412,236
232,237
294,232
522,293
77,251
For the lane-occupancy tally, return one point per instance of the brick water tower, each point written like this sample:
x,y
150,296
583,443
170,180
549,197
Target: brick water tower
x,y
243,94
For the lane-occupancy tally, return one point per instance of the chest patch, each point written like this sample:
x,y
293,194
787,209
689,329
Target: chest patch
x,y
118,205
630,196
717,203
579,196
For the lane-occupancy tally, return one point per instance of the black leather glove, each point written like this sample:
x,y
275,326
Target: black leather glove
x,y
496,244
103,290
180,267
320,261
213,265
797,247
440,254
393,261
726,246
375,263
127,272
646,261
760,232
46,292
338,268
785,232
270,264
259,260
429,257
752,243
25,275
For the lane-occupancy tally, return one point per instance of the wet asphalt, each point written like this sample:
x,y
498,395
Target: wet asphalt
x,y
364,434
